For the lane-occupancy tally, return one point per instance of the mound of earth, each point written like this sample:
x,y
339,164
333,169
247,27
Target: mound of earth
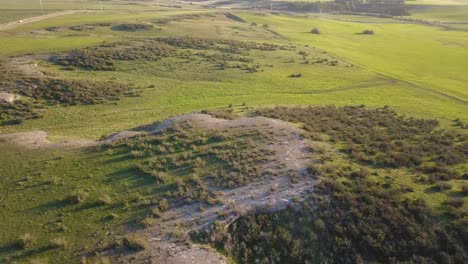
x,y
274,191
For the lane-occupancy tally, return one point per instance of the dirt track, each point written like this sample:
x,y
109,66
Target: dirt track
x,y
17,23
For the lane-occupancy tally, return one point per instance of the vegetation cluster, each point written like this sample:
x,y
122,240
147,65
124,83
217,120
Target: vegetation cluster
x,y
379,137
346,221
38,92
14,113
224,54
188,160
103,57
352,216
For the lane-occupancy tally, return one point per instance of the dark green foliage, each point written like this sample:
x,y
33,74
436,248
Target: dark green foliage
x,y
351,218
14,113
315,31
103,57
346,223
49,91
234,17
464,188
231,46
297,75
79,27
178,18
380,137
70,91
132,27
367,32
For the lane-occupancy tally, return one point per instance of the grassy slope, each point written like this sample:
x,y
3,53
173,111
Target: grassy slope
x,y
419,88
428,57
30,204
186,90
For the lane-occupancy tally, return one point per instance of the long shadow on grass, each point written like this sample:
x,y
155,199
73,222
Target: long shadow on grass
x,y
53,205
86,206
8,247
433,189
458,194
33,252
136,179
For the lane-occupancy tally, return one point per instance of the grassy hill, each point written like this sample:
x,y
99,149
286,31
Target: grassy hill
x,y
397,133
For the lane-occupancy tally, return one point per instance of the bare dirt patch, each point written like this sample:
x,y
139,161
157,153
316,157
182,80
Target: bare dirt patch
x,y
274,191
26,65
8,97
38,139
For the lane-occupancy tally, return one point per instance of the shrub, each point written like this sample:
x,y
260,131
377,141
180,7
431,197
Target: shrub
x,y
135,242
148,222
26,240
367,32
464,188
382,138
295,75
70,91
455,202
362,222
132,27
160,177
15,113
315,31
156,212
442,186
104,200
163,205
78,197
58,242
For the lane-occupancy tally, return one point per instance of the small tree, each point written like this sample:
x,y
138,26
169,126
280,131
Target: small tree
x,y
368,32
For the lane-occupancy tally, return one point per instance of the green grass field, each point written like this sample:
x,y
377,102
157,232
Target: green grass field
x,y
401,78
417,70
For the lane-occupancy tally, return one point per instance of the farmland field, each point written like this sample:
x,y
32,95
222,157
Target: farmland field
x,y
232,113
